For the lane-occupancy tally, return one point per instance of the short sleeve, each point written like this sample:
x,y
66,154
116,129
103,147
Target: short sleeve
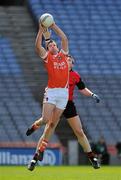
x,y
79,83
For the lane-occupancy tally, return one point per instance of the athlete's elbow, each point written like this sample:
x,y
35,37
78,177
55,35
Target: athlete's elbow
x,y
65,38
38,48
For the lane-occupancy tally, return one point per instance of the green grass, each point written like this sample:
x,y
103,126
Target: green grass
x,y
60,173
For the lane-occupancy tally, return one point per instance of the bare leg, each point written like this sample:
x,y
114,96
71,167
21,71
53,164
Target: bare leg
x,y
41,121
76,125
50,126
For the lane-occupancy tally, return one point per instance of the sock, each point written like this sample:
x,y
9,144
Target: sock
x,y
34,127
90,155
43,145
35,157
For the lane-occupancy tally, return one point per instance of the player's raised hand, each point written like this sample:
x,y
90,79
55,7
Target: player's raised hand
x,y
47,33
96,98
41,27
53,25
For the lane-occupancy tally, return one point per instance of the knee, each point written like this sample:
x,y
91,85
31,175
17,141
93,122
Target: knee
x,y
52,125
45,120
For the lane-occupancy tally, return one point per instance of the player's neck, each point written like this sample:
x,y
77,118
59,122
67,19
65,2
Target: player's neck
x,y
70,69
54,52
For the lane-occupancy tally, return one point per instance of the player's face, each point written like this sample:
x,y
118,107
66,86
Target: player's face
x,y
70,63
52,47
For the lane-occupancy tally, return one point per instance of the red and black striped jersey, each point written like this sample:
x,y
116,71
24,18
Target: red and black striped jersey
x,y
74,80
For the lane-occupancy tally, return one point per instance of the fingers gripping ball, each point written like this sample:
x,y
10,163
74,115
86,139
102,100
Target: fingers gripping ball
x,y
46,20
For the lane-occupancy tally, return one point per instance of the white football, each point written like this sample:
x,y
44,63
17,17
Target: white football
x,y
46,20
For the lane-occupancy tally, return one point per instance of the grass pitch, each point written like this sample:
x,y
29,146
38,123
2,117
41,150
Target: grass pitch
x,y
60,173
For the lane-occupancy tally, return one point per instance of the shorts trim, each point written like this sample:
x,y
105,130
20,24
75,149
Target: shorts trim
x,y
56,96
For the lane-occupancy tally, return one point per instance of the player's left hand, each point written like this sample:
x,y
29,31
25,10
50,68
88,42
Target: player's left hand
x,y
96,98
52,26
41,28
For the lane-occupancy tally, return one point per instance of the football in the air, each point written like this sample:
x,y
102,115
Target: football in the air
x,y
46,20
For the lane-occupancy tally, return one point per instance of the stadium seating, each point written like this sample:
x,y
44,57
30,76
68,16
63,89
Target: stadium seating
x,y
93,28
17,107
22,78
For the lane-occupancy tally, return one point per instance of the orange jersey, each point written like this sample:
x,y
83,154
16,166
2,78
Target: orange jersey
x,y
57,68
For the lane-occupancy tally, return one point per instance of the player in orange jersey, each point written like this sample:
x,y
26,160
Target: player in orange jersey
x,y
70,113
56,92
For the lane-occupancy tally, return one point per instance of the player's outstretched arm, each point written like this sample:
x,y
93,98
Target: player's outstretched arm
x,y
87,92
61,34
47,36
38,43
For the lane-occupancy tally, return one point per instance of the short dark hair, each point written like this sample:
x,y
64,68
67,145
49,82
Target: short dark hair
x,y
73,61
50,41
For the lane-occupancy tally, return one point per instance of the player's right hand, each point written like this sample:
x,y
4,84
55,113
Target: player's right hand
x,y
47,33
53,25
41,27
96,98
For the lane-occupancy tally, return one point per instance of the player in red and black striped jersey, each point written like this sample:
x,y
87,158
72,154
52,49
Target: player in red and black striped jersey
x,y
71,115
76,80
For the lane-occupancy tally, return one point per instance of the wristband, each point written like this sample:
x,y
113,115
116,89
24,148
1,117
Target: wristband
x,y
47,39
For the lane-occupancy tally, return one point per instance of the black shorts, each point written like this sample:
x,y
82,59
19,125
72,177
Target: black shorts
x,y
70,110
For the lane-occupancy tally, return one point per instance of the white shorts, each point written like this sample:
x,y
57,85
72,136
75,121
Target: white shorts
x,y
56,96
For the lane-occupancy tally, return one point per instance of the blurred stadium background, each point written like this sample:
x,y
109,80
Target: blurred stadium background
x,y
94,31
